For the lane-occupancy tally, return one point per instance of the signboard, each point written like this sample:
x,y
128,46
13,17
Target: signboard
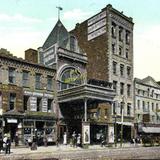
x,y
97,33
11,120
96,18
44,104
49,56
111,134
33,103
86,133
97,25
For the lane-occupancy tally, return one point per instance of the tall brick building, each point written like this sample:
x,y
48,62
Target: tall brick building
x,y
107,39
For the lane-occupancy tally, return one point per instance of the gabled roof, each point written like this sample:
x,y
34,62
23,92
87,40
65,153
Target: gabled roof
x,y
148,81
58,34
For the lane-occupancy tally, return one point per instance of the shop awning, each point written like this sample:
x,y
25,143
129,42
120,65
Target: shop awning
x,y
151,129
126,123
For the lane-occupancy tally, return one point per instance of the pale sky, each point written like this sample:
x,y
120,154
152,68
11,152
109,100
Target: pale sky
x,y
27,23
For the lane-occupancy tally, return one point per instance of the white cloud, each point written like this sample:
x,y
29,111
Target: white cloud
x,y
76,14
147,52
18,18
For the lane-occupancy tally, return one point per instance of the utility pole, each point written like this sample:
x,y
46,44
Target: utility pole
x,y
122,116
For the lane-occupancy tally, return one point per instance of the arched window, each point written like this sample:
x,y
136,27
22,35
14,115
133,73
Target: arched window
x,y
70,77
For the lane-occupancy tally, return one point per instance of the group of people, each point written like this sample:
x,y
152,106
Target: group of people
x,y
75,140
5,144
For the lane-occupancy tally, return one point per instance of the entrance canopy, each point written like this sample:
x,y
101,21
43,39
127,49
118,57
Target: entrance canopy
x,y
88,91
151,129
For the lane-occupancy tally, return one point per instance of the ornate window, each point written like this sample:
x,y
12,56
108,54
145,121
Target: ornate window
x,y
70,77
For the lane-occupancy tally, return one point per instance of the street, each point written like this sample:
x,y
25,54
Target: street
x,y
92,153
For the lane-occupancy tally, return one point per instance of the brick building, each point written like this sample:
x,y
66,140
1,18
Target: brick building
x,y
107,39
27,98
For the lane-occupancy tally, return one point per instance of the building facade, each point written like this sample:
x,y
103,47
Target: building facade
x,y
27,99
107,39
85,104
147,106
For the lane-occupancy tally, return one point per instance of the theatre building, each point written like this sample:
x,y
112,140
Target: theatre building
x,y
27,97
107,40
85,104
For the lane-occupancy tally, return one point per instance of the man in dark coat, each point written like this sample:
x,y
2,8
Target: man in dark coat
x,y
8,146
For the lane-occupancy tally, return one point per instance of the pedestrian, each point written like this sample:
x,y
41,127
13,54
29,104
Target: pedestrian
x,y
4,141
1,143
74,138
8,145
57,141
34,143
45,141
79,140
16,139
102,140
65,138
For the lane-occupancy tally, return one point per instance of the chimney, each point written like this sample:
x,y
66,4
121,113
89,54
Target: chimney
x,y
31,55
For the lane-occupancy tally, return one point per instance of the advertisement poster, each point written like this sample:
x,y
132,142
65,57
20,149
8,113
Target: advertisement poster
x,y
111,135
86,133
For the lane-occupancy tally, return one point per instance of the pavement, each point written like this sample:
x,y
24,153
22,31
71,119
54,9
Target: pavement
x,y
41,150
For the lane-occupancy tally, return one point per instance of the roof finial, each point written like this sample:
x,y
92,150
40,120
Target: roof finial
x,y
59,9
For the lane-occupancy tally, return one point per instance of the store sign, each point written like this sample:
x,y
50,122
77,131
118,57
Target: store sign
x,y
33,103
97,25
49,56
96,18
44,104
97,33
9,120
111,135
86,133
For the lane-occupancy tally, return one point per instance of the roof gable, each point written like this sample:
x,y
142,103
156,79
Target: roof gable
x,y
150,81
58,34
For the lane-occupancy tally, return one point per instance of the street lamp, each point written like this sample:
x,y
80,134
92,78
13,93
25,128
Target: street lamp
x,y
122,116
115,129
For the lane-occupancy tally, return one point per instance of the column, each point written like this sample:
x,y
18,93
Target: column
x,y
85,109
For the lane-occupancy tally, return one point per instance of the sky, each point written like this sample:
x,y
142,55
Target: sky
x,y
27,23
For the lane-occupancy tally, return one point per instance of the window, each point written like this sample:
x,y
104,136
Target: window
x,y
152,106
72,43
120,50
122,70
49,83
128,71
49,107
127,52
121,107
38,81
70,77
129,109
156,107
138,104
114,67
148,106
114,108
25,78
143,103
143,93
12,75
113,30
12,101
115,86
120,34
39,104
139,91
113,48
128,90
121,88
127,38
25,102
